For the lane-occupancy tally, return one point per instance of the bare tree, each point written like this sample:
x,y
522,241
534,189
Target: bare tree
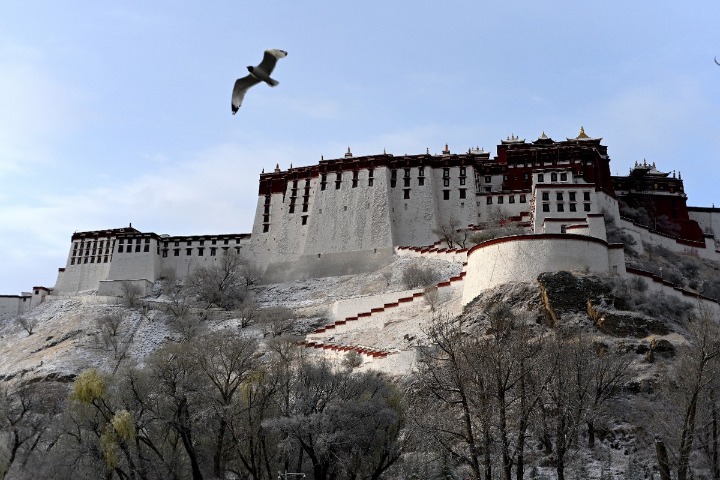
x,y
275,321
130,293
451,233
432,296
221,284
28,324
415,275
699,363
109,326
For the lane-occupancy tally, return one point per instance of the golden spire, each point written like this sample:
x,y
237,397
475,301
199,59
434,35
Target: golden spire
x,y
582,134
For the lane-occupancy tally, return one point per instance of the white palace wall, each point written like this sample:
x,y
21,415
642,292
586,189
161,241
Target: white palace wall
x,y
522,258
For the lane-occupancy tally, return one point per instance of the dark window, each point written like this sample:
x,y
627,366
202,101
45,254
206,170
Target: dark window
x,y
337,184
137,248
523,199
559,196
421,171
546,207
462,180
586,207
563,228
393,173
406,193
120,249
462,193
446,194
201,251
421,181
72,261
304,219
354,182
545,196
488,179
560,207
188,251
121,241
176,252
371,173
462,171
563,177
501,199
406,182
525,176
573,207
553,177
446,182
291,209
370,182
214,242
147,248
213,250
266,228
177,244
407,173
572,196
226,241
511,198
446,172
305,207
586,196
541,178
164,252
488,200
392,183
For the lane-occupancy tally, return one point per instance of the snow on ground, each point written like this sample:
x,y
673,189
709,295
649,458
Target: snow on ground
x,y
67,338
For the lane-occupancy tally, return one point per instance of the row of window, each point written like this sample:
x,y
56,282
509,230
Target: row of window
x,y
560,196
501,199
560,207
200,251
100,259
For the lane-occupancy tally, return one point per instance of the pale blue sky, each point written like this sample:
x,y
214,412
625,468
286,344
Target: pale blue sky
x,y
118,112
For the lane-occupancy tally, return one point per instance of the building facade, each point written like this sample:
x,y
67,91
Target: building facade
x,y
347,215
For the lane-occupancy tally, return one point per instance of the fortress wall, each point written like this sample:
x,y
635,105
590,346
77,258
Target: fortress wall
x,y
12,306
134,262
350,219
328,264
414,218
707,218
524,257
352,306
182,255
641,233
81,277
463,210
657,285
449,255
495,211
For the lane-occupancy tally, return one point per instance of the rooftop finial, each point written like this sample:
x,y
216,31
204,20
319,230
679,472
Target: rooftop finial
x,y
447,150
263,171
277,168
348,154
427,150
582,133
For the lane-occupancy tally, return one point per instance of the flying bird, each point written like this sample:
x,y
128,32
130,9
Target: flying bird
x,y
258,74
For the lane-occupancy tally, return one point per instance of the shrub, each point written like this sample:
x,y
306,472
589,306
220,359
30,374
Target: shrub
x,y
415,276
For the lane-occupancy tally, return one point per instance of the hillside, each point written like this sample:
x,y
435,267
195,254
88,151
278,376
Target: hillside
x,y
606,316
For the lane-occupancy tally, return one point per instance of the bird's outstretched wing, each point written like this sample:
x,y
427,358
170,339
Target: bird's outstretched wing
x,y
270,59
716,61
241,86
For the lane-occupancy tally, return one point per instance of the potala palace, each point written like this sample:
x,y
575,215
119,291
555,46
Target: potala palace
x,y
355,214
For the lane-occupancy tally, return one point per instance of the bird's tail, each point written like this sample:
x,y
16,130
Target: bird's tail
x,y
272,82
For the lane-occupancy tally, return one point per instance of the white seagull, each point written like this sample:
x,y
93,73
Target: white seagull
x,y
258,74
